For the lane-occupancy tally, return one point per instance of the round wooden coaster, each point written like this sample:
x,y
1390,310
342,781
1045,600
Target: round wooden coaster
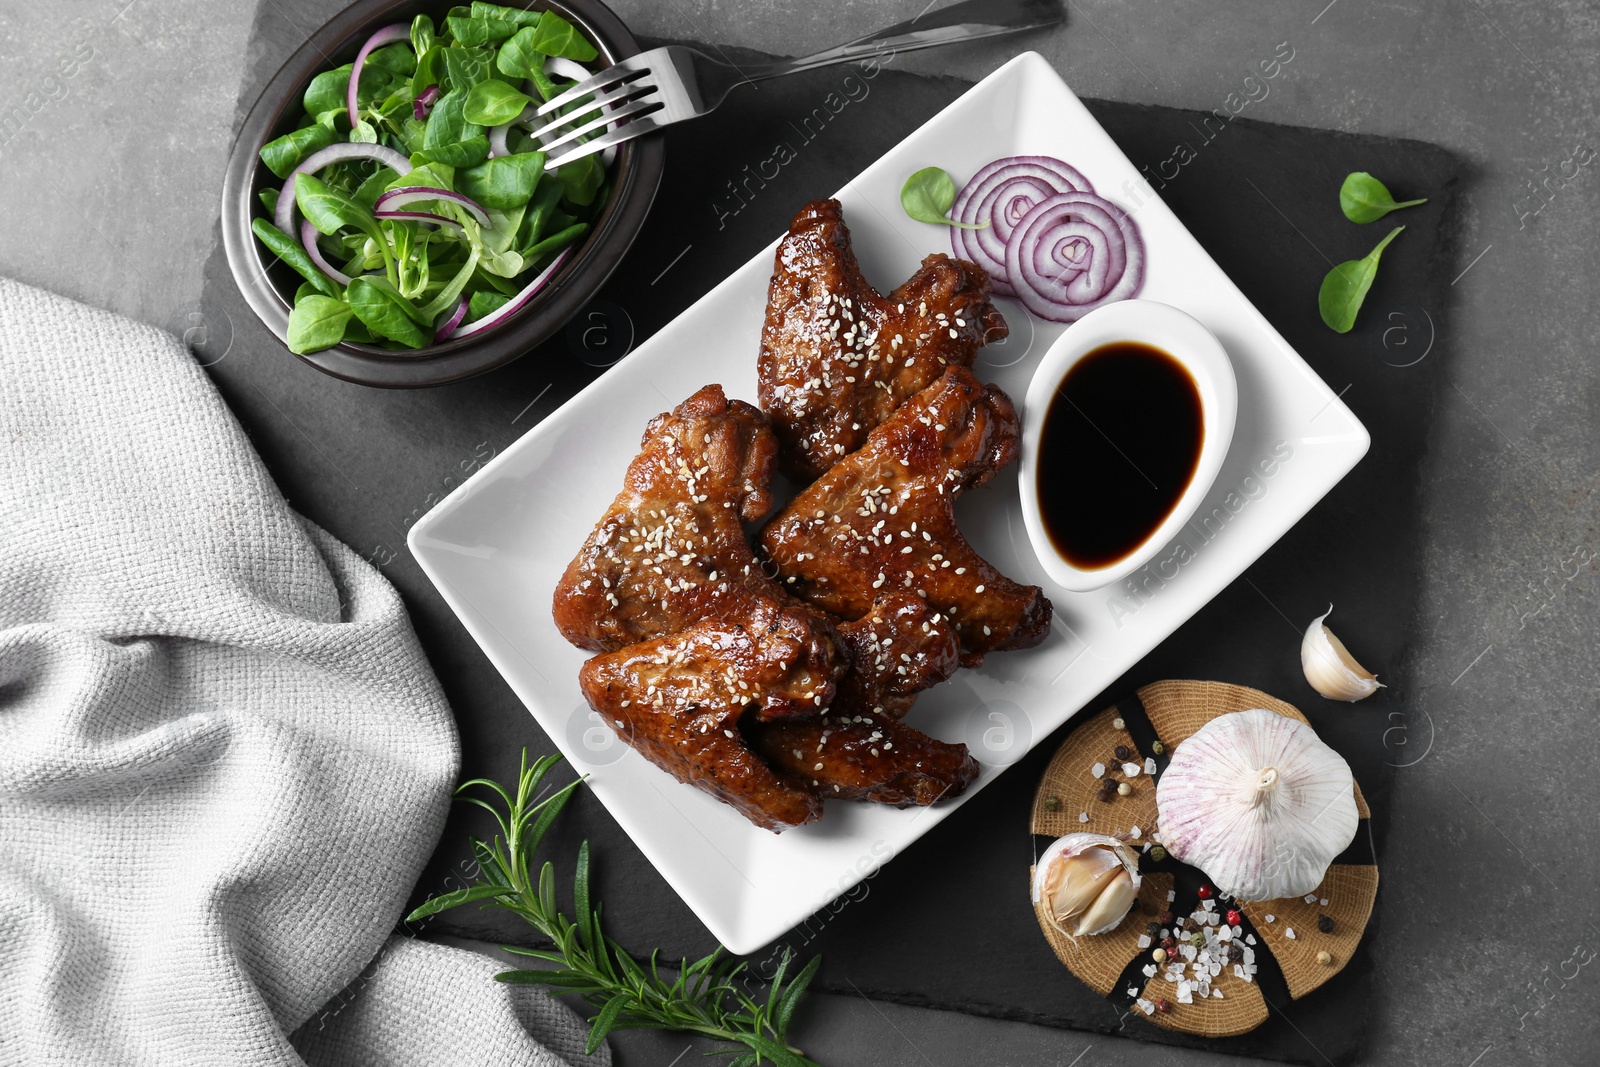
x,y
1288,934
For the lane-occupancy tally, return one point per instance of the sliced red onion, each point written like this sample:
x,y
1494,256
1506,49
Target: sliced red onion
x,y
308,237
450,324
283,216
1001,194
395,199
1072,253
424,103
418,216
516,303
498,149
400,31
562,67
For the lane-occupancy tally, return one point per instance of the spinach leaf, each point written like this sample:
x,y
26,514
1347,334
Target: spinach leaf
x,y
383,314
549,90
927,195
1346,287
430,69
447,123
397,58
472,151
556,241
269,200
466,67
581,178
481,10
493,103
367,192
329,210
519,58
289,151
427,175
1364,198
317,322
485,301
473,31
558,37
293,253
327,90
422,35
504,182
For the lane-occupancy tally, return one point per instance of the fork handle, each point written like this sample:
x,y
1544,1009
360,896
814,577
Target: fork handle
x,y
966,21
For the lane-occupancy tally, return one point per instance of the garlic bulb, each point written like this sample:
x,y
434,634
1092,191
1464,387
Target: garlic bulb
x,y
1330,668
1089,882
1259,803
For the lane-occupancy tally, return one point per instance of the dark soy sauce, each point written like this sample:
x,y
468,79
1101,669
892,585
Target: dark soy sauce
x,y
1120,443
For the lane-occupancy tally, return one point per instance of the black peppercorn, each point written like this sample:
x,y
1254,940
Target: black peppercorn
x,y
1124,752
1152,929
1325,924
1235,952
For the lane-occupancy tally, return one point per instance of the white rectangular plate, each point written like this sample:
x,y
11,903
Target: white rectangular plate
x,y
496,547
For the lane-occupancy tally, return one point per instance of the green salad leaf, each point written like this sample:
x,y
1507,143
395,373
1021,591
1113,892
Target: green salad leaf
x,y
473,31
317,322
927,195
1364,198
519,15
294,254
383,312
558,37
503,183
493,103
520,57
1346,285
289,151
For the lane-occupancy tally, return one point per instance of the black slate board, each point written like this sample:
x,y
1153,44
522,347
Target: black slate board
x,y
948,923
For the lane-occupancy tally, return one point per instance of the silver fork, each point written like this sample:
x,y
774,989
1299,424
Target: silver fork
x,y
653,89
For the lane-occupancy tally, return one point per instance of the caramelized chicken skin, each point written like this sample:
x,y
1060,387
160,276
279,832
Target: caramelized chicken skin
x,y
837,357
679,701
859,754
671,550
882,520
898,649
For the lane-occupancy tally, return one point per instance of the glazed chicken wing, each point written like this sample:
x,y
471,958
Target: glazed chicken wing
x,y
671,550
837,357
896,650
859,754
882,520
679,701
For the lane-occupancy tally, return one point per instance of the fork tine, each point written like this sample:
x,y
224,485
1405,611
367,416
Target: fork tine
x,y
606,78
637,128
615,99
648,103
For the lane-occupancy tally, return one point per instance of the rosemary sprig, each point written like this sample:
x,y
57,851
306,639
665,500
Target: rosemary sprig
x,y
702,998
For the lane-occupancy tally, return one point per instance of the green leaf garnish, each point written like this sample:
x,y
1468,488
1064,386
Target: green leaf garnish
x,y
493,103
1364,198
1346,285
710,996
927,195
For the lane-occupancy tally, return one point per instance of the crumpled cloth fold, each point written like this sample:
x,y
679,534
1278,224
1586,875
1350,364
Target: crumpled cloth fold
x,y
224,759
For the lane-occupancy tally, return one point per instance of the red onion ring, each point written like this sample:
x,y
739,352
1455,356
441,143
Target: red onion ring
x,y
424,103
400,31
395,199
308,238
283,216
516,303
419,216
1001,194
1072,253
450,324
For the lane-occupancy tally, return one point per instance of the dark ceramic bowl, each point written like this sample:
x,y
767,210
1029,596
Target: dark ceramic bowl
x,y
269,285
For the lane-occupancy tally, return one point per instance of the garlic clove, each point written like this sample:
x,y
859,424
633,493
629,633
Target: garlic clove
x,y
1329,666
1110,906
1088,883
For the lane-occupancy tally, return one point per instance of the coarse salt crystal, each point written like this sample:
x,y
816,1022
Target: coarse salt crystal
x,y
1130,770
1272,918
1133,991
1150,970
1311,898
1150,765
1083,816
1324,902
1172,894
1144,940
1216,994
1249,939
1209,905
1136,832
1288,931
1144,1005
1098,770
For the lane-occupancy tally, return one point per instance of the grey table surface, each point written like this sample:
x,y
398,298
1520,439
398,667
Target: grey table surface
x,y
116,118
